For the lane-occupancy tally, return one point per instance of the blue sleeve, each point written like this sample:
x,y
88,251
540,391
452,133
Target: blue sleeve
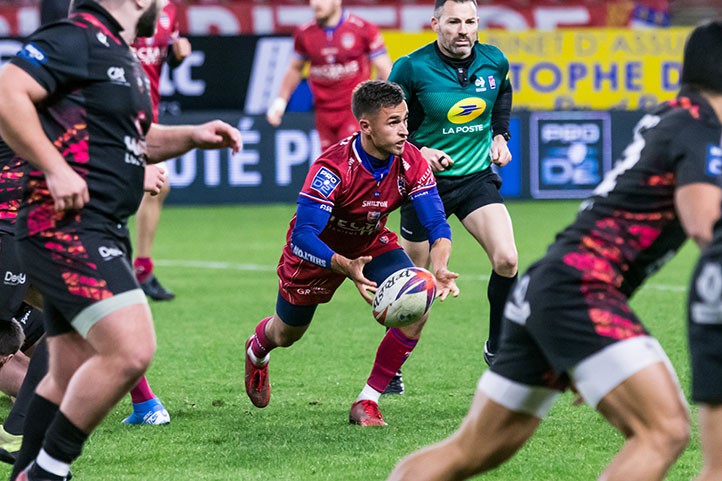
x,y
430,211
311,219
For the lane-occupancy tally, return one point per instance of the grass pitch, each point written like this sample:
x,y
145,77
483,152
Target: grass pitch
x,y
220,261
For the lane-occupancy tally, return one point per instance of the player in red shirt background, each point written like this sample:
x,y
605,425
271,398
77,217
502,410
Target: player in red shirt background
x,y
340,48
152,52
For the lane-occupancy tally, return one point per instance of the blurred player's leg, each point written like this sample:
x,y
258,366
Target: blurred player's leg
x,y
11,436
710,427
146,222
147,408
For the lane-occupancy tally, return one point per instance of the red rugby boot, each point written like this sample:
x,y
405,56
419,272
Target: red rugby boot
x,y
366,413
258,387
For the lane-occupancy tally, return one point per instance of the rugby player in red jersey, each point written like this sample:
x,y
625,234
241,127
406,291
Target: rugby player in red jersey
x,y
166,46
339,231
340,48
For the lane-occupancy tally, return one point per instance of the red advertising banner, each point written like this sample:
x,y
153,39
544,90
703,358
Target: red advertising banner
x,y
204,17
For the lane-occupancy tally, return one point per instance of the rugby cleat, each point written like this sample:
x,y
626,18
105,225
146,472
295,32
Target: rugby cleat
x,y
9,446
151,413
366,413
396,385
153,289
25,475
258,387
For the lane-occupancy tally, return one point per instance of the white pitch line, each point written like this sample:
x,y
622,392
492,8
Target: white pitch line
x,y
266,268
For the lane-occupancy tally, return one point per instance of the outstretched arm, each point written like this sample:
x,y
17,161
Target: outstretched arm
x,y
167,142
290,81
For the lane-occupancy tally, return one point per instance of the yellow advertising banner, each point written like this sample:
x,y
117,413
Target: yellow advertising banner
x,y
597,69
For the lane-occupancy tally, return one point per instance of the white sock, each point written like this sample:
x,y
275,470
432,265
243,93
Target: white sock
x,y
256,361
52,465
369,394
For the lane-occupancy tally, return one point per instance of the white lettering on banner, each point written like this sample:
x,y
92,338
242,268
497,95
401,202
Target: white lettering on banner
x,y
550,18
571,132
212,170
205,19
293,148
182,171
8,49
182,76
237,173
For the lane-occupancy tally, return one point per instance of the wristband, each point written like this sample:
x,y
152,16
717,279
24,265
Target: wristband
x,y
278,105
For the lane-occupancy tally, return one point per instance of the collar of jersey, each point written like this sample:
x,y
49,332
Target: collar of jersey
x,y
344,15
378,172
100,13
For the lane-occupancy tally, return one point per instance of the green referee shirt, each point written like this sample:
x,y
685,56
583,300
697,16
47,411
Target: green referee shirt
x,y
446,116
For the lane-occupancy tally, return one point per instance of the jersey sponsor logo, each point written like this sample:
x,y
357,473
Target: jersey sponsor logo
x,y
135,151
492,82
714,160
375,203
334,71
12,279
26,317
117,75
466,110
102,38
150,55
108,253
480,84
352,227
708,287
325,182
33,53
348,40
373,216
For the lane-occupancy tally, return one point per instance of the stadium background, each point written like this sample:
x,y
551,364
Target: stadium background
x,y
583,72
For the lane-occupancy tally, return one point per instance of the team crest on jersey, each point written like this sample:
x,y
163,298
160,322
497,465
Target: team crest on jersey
x,y
714,160
164,21
466,110
348,40
325,182
33,54
402,185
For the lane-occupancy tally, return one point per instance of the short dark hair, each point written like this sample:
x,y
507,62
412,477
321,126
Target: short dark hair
x,y
702,64
371,96
439,4
11,337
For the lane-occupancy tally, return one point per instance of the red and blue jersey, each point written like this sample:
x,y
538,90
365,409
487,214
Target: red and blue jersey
x,y
340,58
152,52
344,204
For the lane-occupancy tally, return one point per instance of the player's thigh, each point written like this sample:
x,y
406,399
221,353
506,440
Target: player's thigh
x,y
382,266
492,228
704,326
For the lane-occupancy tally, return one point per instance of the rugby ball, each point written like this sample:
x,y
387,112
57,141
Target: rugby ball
x,y
404,297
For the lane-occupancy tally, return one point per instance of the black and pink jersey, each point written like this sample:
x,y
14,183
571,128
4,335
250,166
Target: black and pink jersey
x,y
629,227
97,114
12,169
359,204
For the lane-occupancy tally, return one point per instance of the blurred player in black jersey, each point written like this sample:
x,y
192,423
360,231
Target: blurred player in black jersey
x,y
568,320
76,105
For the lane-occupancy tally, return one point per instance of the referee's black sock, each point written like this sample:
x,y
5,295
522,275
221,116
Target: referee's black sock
x,y
497,292
34,430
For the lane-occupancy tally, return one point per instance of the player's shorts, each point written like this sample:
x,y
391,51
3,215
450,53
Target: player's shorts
x,y
334,125
32,322
83,275
295,314
704,314
15,281
461,196
559,329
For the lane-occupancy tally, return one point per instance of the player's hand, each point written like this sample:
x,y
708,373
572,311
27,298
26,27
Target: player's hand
x,y
68,190
155,178
446,284
500,154
275,111
217,135
181,48
353,269
437,159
